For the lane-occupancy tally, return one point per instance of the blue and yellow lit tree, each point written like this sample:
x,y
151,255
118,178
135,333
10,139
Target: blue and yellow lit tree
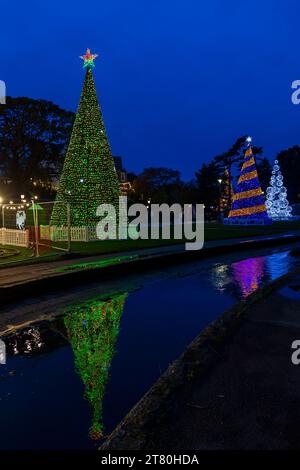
x,y
248,201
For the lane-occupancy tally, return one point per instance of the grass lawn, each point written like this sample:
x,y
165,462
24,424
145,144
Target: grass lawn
x,y
9,254
220,232
213,231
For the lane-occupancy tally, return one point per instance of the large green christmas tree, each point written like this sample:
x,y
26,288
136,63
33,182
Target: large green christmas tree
x,y
88,177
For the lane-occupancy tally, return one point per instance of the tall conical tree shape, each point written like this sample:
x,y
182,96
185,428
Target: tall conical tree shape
x,y
93,328
88,177
277,203
248,201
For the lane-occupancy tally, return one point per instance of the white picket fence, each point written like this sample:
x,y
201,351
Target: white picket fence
x,y
60,234
14,237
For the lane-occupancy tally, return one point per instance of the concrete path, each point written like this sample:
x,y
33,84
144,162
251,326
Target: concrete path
x,y
29,272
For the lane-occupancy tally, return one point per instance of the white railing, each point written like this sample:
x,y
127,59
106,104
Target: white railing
x,y
14,237
59,234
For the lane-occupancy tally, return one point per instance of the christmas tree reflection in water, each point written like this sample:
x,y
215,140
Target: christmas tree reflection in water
x,y
92,328
248,274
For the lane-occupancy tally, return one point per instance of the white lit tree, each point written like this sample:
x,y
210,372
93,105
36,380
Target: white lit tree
x,y
277,204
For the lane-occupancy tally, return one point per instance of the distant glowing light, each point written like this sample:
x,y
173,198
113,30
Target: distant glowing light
x,y
277,203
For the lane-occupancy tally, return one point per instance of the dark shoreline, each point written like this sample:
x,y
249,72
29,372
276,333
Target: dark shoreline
x,y
150,423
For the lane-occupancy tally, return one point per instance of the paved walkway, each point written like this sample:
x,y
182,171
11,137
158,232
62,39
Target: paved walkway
x,y
249,398
21,274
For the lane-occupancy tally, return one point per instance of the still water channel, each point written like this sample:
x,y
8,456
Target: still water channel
x,y
75,371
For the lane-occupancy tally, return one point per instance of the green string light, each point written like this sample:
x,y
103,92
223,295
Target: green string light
x,y
92,329
88,177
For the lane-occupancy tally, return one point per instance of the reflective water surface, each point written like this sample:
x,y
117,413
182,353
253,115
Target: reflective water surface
x,y
71,378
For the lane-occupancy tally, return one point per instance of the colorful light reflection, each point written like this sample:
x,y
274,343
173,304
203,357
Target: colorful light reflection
x,y
248,274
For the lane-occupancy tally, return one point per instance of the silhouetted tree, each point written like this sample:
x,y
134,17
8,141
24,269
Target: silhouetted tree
x,y
33,138
289,160
209,187
158,185
190,193
264,170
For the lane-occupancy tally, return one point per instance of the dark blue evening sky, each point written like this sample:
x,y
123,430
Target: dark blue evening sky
x,y
178,81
